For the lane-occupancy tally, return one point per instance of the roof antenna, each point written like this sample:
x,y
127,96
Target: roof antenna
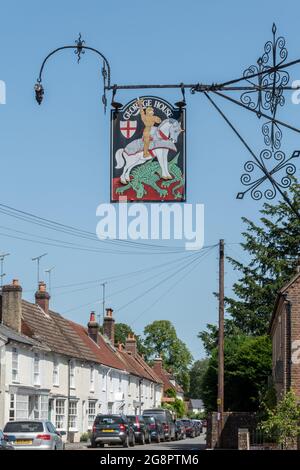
x,y
48,271
37,259
2,257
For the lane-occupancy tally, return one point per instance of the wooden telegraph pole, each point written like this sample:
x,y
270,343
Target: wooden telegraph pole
x,y
220,400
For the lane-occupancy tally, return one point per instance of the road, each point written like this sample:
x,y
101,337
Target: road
x,y
198,443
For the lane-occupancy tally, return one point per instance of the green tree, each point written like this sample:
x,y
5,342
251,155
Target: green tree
x,y
283,423
122,330
273,247
197,372
248,362
161,340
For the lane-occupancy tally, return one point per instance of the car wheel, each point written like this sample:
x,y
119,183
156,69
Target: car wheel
x,y
158,439
101,444
149,439
126,442
142,442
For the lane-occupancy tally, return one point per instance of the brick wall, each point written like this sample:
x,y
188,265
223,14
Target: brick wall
x,y
233,420
285,334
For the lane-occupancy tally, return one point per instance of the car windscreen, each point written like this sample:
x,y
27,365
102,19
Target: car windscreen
x,y
131,419
149,419
108,420
24,426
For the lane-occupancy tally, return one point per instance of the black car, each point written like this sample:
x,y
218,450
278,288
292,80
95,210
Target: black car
x,y
112,429
4,442
190,429
141,431
166,419
180,430
155,428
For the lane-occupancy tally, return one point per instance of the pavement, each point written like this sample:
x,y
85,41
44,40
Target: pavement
x,y
196,444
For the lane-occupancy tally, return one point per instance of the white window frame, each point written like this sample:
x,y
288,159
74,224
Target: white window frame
x,y
91,413
73,417
60,413
120,383
104,384
36,370
15,365
55,374
12,407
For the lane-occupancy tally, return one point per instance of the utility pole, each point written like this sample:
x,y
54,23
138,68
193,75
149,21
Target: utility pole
x,y
48,271
2,257
37,259
220,400
103,301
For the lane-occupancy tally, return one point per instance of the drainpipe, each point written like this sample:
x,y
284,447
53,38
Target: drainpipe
x,y
68,401
140,394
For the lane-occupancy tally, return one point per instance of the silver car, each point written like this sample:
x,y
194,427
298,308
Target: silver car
x,y
33,435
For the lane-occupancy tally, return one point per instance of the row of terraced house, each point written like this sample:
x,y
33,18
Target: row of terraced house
x,y
52,368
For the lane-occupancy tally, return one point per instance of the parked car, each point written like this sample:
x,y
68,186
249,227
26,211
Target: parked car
x,y
180,430
166,419
198,425
141,431
190,429
112,429
204,423
4,442
33,435
155,428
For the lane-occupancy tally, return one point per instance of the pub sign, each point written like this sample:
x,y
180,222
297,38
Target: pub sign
x,y
148,151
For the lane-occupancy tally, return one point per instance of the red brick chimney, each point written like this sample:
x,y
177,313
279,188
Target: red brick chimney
x,y
157,366
12,305
42,297
130,345
109,325
93,327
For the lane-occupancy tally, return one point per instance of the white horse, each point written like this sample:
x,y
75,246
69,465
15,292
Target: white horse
x,y
163,137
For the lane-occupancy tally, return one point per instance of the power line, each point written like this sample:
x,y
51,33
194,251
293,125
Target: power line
x,y
152,288
171,288
74,231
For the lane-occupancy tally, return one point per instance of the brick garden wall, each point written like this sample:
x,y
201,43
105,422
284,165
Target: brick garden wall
x,y
233,420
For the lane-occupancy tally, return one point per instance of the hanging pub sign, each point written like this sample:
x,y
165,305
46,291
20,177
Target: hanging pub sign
x,y
148,151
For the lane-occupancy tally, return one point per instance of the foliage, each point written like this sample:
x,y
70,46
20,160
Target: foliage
x,y
85,437
122,330
177,407
197,372
161,340
273,249
248,362
283,422
171,393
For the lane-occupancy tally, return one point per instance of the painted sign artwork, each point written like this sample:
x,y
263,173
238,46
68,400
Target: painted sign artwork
x,y
148,151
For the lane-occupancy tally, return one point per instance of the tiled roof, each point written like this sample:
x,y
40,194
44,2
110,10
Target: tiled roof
x,y
136,365
19,337
102,352
166,378
55,333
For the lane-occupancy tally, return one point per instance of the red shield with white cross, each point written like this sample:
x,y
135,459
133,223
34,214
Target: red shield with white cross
x,y
128,128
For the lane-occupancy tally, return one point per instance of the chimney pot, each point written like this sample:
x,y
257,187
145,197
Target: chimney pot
x,y
130,345
42,297
93,327
12,305
109,325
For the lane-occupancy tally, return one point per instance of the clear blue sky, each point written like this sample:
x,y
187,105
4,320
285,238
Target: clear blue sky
x,y
55,158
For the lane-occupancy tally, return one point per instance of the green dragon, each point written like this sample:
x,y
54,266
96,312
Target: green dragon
x,y
150,173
